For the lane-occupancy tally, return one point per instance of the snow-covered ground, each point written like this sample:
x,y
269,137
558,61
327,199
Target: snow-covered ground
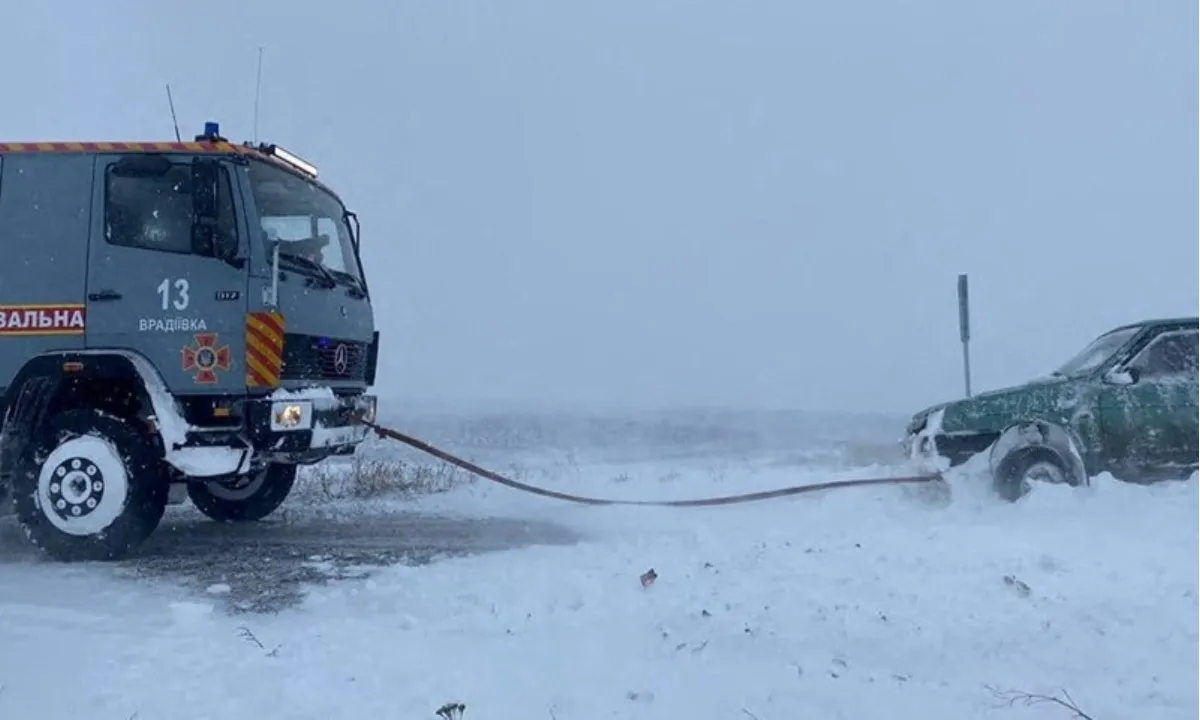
x,y
861,603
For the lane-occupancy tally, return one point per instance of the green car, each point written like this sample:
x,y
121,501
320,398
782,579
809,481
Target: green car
x,y
1126,404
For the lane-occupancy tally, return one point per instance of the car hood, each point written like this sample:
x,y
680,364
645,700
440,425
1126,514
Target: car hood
x,y
1045,397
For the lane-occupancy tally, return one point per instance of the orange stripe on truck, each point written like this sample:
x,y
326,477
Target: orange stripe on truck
x,y
264,349
219,148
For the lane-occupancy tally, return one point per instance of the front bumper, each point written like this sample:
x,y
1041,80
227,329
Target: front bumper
x,y
927,442
920,447
921,442
286,427
308,427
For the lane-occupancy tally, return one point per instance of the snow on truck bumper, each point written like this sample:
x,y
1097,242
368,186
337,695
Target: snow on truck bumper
x,y
315,420
302,427
329,421
314,424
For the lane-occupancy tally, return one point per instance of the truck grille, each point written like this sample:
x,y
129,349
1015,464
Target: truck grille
x,y
310,357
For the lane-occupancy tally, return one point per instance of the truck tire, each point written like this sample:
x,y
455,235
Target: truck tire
x,y
88,486
246,499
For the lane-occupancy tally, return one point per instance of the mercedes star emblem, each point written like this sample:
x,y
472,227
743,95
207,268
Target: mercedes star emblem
x,y
341,358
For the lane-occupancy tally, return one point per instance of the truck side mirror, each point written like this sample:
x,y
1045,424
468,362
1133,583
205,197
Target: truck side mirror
x,y
207,238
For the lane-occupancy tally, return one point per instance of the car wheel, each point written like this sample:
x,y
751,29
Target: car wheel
x,y
1016,473
245,498
88,487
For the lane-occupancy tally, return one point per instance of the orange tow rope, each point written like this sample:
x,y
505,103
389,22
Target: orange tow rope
x,y
580,499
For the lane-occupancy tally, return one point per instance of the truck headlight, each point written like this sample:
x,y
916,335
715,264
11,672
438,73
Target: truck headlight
x,y
295,415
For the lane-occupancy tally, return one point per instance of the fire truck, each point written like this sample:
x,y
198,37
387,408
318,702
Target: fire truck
x,y
176,318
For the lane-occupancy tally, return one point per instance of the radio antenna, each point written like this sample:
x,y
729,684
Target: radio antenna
x,y
174,120
257,92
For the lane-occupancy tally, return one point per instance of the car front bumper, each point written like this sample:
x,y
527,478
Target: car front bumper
x,y
920,447
926,442
920,443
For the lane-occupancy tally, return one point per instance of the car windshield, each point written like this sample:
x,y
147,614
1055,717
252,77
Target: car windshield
x,y
308,221
1098,352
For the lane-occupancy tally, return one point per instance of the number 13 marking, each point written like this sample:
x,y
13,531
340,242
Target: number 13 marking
x,y
181,294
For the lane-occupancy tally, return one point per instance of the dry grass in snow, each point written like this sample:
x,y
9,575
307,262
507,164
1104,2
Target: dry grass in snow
x,y
365,478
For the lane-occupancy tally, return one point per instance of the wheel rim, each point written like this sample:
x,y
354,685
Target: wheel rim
x,y
83,486
1046,472
238,489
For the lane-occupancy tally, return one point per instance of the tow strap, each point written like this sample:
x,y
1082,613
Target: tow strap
x,y
582,500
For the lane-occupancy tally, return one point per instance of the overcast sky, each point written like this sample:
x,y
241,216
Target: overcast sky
x,y
656,202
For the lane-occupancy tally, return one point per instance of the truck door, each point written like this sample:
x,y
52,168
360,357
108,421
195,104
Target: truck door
x,y
162,285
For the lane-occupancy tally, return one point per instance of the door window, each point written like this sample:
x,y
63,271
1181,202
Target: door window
x,y
1172,354
153,211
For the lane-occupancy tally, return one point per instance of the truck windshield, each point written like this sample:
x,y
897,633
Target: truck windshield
x,y
1098,352
308,220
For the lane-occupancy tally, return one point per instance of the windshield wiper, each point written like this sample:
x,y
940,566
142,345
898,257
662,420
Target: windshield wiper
x,y
357,289
319,270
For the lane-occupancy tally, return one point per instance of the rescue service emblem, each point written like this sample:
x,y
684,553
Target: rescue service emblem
x,y
205,358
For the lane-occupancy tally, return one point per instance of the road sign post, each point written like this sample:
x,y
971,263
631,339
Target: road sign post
x,y
964,329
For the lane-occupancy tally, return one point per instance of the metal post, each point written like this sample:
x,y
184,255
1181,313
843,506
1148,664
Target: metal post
x,y
964,330
967,367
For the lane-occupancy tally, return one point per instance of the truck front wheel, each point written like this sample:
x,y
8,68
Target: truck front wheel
x,y
246,498
88,487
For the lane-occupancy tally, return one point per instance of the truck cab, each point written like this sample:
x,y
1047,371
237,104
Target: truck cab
x,y
183,314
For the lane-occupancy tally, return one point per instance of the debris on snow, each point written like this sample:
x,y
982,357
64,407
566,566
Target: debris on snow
x,y
451,711
1019,587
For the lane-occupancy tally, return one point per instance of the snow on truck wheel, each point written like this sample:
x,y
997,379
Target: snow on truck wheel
x,y
87,487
